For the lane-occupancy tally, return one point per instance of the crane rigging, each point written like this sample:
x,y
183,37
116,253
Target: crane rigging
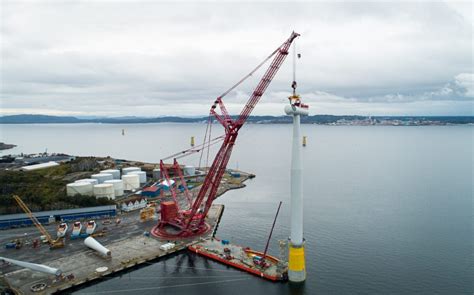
x,y
192,221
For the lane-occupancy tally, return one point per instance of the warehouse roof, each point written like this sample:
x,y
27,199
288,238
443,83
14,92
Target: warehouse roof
x,y
60,212
39,166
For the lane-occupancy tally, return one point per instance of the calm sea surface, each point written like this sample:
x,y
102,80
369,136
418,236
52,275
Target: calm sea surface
x,y
387,209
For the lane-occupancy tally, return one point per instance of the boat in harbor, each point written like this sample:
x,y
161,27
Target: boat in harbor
x,y
91,226
244,258
76,228
62,229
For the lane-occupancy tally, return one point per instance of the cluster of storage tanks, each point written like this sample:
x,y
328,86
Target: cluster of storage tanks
x,y
108,183
187,171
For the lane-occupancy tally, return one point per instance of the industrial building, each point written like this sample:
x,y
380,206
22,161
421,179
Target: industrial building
x,y
39,166
133,204
151,191
17,220
166,184
30,160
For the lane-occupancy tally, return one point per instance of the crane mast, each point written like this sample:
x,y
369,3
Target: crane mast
x,y
194,221
54,244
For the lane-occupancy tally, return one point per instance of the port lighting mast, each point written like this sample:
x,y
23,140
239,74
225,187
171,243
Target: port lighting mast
x,y
194,222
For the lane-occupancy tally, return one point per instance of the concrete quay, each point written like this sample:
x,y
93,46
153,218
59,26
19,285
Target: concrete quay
x,y
80,264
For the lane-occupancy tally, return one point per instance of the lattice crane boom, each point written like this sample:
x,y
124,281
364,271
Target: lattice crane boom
x,y
53,244
33,218
216,171
192,221
186,192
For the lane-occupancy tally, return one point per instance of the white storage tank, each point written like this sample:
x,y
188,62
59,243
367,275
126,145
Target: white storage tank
x,y
189,171
115,173
79,188
157,173
131,182
101,177
127,170
89,180
104,190
141,175
118,186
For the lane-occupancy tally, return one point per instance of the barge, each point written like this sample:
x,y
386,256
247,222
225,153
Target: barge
x,y
246,259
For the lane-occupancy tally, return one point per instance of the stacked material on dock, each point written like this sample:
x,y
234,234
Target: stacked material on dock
x,y
167,246
104,190
101,177
79,188
141,175
127,170
90,180
115,173
118,186
131,182
156,173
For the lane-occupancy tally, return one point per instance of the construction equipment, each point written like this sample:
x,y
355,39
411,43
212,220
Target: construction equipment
x,y
53,244
270,236
147,213
193,223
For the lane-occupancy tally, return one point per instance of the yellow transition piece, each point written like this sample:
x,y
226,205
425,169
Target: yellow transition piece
x,y
296,260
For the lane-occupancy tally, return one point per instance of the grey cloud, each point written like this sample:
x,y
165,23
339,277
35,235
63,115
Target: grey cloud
x,y
124,58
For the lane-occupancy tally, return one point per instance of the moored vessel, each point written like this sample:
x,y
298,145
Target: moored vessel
x,y
62,229
91,226
245,259
254,262
76,228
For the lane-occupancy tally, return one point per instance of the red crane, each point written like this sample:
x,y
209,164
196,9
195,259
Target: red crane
x,y
192,222
178,173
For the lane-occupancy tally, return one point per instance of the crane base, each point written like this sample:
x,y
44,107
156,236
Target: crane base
x,y
171,232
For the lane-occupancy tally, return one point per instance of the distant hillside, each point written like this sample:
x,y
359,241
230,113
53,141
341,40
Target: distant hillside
x,y
27,119
316,119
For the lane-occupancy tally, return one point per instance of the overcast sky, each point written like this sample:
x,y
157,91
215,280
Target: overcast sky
x,y
119,58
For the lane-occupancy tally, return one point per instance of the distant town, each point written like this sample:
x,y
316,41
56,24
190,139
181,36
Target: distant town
x,y
316,119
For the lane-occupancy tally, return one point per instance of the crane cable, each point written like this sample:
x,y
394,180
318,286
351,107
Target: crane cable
x,y
215,141
205,137
190,151
194,149
252,72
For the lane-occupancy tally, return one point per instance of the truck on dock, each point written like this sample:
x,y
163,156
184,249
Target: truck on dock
x,y
167,246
